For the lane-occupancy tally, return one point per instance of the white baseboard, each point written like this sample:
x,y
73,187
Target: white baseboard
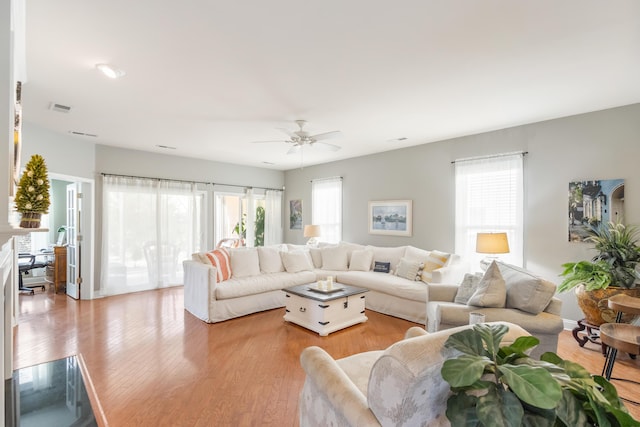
x,y
569,325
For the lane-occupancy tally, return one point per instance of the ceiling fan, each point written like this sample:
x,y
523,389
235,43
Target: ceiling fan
x,y
300,138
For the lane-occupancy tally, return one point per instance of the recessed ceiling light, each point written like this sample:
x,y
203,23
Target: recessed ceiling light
x,y
110,71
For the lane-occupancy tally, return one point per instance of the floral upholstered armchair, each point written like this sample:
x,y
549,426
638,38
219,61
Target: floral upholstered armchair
x,y
399,386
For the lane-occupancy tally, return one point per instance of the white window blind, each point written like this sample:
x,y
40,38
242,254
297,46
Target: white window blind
x,y
489,198
326,208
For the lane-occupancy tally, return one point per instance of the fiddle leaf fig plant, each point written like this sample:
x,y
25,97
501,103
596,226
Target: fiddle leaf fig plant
x,y
503,386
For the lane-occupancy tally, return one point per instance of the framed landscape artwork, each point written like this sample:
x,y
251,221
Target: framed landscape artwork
x,y
295,214
391,217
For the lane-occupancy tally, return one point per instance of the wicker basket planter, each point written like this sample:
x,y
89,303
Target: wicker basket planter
x,y
595,304
30,220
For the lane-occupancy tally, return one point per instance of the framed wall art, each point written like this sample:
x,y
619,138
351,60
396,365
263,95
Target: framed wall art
x,y
391,217
592,203
295,214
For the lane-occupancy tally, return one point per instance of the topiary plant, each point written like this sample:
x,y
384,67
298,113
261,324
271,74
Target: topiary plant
x,y
32,196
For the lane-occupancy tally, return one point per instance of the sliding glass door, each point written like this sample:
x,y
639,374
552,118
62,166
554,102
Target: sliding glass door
x,y
255,217
149,227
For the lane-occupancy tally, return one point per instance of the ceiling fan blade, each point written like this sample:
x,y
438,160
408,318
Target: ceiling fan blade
x,y
294,149
327,135
326,146
263,142
287,131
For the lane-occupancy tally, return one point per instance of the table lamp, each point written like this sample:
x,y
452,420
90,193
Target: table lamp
x,y
312,231
491,243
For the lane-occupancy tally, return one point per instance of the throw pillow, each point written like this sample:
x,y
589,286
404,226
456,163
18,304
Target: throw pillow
x,y
492,291
391,255
244,262
381,267
409,269
525,291
361,260
270,260
335,258
316,257
296,261
467,287
435,260
350,248
416,254
219,258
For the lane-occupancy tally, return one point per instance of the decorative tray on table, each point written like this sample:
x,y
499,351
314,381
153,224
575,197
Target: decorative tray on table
x,y
335,288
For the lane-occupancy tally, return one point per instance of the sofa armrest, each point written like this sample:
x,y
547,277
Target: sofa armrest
x,y
442,292
554,306
453,273
341,393
199,288
415,331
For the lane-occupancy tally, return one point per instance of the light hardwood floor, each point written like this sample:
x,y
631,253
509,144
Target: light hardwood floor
x,y
153,364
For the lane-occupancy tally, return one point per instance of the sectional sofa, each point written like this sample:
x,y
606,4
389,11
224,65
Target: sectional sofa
x,y
222,285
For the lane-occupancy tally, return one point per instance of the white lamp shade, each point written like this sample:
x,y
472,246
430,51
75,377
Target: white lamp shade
x,y
311,231
492,243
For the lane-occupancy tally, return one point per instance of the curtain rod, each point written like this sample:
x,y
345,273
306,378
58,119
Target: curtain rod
x,y
491,156
327,178
189,182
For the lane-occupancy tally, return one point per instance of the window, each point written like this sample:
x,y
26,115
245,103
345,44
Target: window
x,y
326,204
489,198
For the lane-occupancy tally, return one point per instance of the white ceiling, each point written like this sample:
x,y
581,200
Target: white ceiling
x,y
209,77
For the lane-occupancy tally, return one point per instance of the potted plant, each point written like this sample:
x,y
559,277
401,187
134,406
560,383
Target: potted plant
x,y
32,195
503,386
611,271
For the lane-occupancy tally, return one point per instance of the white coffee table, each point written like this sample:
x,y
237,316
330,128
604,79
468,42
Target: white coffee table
x,y
325,311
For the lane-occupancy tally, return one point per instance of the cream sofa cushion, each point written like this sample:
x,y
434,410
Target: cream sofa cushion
x,y
270,260
525,291
335,258
244,262
316,257
361,260
296,261
351,247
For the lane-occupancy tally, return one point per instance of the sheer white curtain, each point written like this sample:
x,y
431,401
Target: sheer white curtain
x,y
273,217
148,228
251,217
326,208
489,198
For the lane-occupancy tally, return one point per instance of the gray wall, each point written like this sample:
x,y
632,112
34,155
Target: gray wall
x,y
599,145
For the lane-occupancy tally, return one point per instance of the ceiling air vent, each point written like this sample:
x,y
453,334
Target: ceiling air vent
x,y
74,132
59,108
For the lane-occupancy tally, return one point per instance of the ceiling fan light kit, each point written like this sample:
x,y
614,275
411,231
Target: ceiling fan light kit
x,y
300,138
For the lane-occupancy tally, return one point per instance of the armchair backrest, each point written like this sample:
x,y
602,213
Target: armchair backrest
x,y
405,384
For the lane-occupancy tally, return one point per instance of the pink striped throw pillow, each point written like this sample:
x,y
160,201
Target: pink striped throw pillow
x,y
219,258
